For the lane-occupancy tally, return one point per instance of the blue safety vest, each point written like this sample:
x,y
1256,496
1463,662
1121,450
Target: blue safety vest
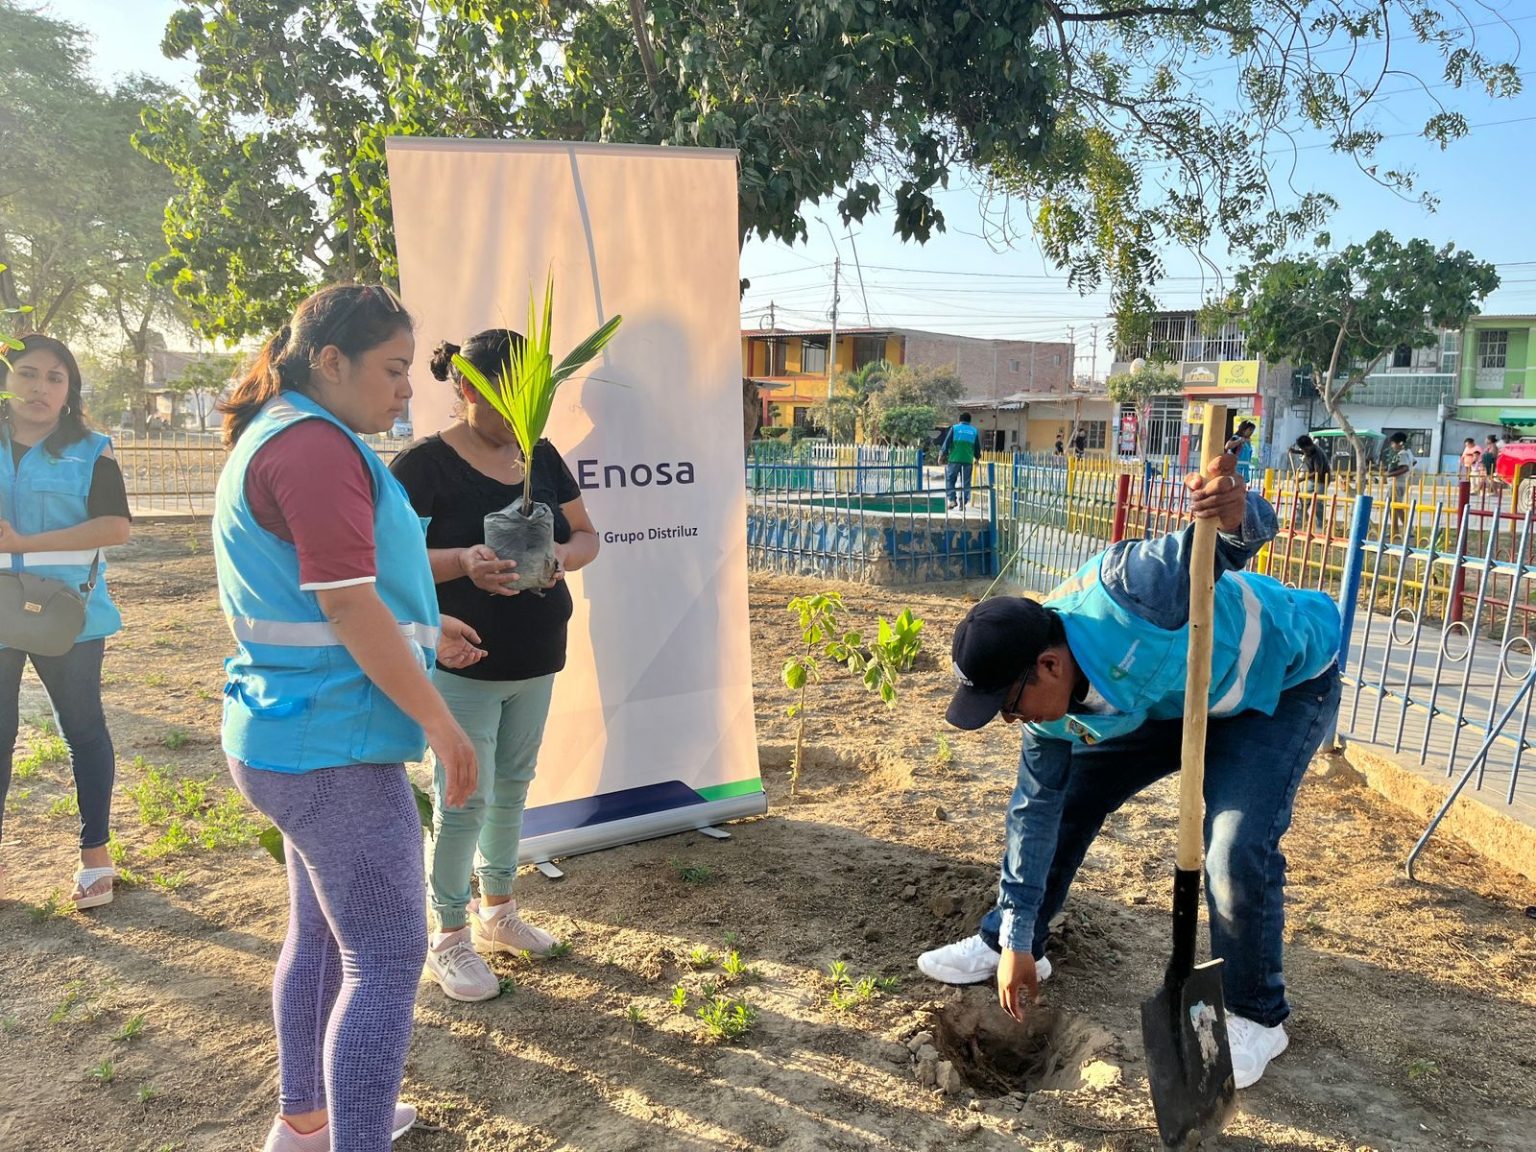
x,y
1268,638
296,700
45,493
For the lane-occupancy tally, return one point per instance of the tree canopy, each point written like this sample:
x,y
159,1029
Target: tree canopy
x,y
81,212
1073,106
1338,314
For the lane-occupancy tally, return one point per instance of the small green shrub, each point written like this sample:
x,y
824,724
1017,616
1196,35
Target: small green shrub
x,y
727,1020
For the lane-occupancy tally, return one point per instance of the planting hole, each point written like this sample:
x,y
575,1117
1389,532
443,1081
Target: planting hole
x,y
996,1055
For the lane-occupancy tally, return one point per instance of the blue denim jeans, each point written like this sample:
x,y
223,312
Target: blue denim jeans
x,y
1253,766
957,474
73,682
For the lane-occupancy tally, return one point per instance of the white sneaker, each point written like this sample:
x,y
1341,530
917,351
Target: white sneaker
x,y
969,961
459,971
499,928
405,1120
1253,1047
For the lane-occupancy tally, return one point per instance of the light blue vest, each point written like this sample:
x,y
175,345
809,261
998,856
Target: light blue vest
x,y
296,700
44,494
1268,638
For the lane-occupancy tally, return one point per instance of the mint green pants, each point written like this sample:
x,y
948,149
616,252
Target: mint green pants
x,y
504,719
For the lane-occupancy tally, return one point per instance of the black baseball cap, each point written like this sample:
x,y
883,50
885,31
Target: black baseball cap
x,y
997,642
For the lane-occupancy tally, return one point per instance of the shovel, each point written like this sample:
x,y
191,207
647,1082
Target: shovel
x,y
1184,1026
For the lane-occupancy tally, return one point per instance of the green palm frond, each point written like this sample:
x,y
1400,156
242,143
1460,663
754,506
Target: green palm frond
x,y
524,393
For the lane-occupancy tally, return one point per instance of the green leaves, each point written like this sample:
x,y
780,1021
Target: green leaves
x,y
523,394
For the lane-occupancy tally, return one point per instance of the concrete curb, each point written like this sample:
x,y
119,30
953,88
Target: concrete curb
x,y
1475,823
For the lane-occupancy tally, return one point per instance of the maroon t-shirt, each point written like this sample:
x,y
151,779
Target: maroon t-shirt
x,y
308,485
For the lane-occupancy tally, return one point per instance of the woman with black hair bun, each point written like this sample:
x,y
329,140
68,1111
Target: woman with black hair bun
x,y
62,501
475,467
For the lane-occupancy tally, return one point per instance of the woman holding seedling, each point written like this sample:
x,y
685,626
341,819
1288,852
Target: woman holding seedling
x,y
61,502
328,695
476,467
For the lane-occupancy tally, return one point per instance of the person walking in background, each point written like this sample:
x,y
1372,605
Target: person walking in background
x,y
61,502
1241,446
1079,444
1311,465
1397,464
1472,464
474,467
325,582
1490,463
958,451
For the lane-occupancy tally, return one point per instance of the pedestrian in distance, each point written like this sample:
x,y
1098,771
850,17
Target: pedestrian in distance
x,y
958,451
1096,675
1397,465
474,467
1472,464
1311,465
1240,445
1490,462
325,581
62,501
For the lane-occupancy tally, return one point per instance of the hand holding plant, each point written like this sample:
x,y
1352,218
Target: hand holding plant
x,y
488,571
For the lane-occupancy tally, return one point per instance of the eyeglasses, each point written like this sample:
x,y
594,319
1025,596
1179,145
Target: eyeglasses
x,y
346,311
1011,705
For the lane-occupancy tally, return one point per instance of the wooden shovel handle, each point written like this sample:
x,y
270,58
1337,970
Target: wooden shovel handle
x,y
1197,692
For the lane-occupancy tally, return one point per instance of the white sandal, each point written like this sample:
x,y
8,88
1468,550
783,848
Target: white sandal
x,y
88,878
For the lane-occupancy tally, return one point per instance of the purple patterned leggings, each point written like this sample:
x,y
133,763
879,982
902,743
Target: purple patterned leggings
x,y
357,936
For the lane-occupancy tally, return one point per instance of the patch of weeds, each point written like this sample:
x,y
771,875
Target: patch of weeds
x,y
64,806
165,642
104,1073
154,680
699,958
732,939
175,738
189,812
693,874
10,1025
737,968
146,1093
132,1028
635,1014
944,753
708,989
51,749
228,824
50,909
1422,1069
727,1020
73,993
837,974
116,849
168,882
505,984
679,999
45,724
560,949
207,695
848,994
175,838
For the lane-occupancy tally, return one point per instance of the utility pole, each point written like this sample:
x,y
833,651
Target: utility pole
x,y
860,269
837,272
1093,372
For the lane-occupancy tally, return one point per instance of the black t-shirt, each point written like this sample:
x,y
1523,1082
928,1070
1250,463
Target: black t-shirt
x,y
524,635
107,497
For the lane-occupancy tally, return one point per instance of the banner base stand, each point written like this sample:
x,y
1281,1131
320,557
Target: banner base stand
x,y
549,871
702,817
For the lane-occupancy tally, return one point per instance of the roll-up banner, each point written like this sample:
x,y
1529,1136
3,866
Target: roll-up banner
x,y
651,730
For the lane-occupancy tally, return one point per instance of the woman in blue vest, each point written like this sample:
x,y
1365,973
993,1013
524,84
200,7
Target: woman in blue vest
x,y
325,582
1096,675
61,503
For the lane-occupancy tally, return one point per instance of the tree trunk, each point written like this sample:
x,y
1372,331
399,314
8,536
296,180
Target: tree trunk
x,y
1333,401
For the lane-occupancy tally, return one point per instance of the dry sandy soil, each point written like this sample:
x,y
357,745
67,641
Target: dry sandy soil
x,y
145,1025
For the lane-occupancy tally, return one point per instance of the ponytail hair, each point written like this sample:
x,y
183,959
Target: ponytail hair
x,y
490,351
72,424
352,317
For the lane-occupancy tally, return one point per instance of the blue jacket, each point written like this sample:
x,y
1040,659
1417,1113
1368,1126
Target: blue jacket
x,y
296,700
1126,615
45,493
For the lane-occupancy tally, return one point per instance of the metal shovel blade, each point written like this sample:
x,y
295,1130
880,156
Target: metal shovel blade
x,y
1189,1061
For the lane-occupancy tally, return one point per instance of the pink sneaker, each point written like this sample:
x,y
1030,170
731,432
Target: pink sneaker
x,y
282,1138
499,928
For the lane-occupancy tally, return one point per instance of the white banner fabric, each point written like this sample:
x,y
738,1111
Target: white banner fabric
x,y
651,730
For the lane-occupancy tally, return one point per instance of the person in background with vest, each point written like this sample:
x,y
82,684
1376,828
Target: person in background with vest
x,y
958,451
1241,446
1096,676
61,502
325,582
473,468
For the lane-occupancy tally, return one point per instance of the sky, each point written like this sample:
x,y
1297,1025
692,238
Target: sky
x,y
962,282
